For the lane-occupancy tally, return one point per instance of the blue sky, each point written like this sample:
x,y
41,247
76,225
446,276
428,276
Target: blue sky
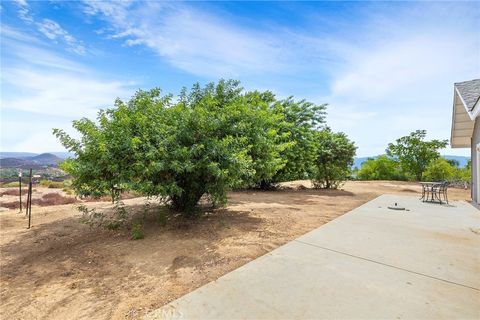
x,y
384,68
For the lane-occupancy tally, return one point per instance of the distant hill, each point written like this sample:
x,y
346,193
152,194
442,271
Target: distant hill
x,y
27,155
358,161
44,159
64,155
17,155
461,160
15,163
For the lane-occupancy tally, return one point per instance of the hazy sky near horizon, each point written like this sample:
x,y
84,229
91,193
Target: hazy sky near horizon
x,y
384,68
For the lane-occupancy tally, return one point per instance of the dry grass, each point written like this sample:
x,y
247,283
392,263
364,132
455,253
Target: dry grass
x,y
49,199
11,192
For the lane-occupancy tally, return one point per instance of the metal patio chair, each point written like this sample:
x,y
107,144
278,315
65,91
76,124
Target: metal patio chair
x,y
440,191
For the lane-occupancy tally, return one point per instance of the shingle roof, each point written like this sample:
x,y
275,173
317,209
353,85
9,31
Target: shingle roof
x,y
469,92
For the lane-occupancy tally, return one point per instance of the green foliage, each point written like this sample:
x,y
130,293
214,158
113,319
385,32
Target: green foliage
x,y
262,124
52,184
208,141
453,162
119,218
13,184
381,168
96,168
464,174
193,148
334,159
439,170
414,153
90,217
302,119
137,232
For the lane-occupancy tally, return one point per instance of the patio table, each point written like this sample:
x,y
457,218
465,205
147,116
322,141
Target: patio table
x,y
428,188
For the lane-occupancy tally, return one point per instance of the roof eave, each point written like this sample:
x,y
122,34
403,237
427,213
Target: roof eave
x,y
454,140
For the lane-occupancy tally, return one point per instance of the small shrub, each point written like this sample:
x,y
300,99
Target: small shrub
x,y
438,170
335,154
49,199
382,168
90,216
162,218
51,184
11,205
137,232
53,199
120,216
113,225
13,184
12,192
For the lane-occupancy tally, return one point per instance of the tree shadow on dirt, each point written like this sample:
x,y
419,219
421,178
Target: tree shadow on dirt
x,y
81,245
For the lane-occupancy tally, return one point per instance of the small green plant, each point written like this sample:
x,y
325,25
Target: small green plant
x,y
162,218
113,225
90,217
146,210
121,213
83,209
137,232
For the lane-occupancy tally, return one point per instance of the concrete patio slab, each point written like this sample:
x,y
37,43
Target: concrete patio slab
x,y
370,263
441,241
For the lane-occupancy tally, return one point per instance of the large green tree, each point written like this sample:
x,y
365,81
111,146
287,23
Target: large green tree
x,y
301,121
209,140
334,159
414,153
261,125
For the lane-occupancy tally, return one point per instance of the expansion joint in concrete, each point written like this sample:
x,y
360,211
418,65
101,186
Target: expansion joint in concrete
x,y
387,265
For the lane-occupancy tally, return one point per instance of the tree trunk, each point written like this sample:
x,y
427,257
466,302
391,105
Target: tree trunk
x,y
186,202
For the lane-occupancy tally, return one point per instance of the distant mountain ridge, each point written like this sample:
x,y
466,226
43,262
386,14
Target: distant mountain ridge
x,y
40,160
14,159
26,155
462,160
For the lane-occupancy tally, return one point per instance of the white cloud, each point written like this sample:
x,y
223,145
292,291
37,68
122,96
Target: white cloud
x,y
48,85
192,40
59,93
50,29
23,47
24,11
404,75
390,74
53,31
387,72
36,136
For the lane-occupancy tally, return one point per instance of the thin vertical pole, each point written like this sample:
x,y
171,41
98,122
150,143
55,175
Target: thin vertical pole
x,y
20,188
30,200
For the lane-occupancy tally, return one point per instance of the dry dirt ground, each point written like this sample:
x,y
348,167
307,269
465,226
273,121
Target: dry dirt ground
x,y
64,269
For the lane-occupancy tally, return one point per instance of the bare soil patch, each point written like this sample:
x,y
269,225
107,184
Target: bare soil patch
x,y
63,269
